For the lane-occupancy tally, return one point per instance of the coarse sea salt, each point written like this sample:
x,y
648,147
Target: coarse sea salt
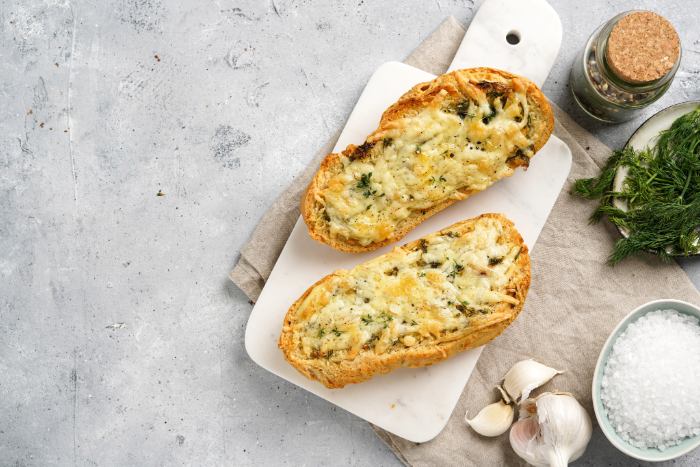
x,y
651,382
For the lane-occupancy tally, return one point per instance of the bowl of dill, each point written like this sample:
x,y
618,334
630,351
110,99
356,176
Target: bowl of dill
x,y
651,189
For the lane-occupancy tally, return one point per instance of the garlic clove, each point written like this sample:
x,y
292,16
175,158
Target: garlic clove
x,y
493,420
526,376
553,430
504,394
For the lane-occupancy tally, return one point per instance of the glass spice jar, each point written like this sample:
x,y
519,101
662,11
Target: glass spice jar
x,y
603,93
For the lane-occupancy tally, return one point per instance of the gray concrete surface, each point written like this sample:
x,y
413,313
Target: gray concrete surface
x,y
121,340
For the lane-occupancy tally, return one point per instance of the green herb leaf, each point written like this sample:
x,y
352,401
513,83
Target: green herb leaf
x,y
495,261
461,109
487,118
385,318
518,255
365,180
456,270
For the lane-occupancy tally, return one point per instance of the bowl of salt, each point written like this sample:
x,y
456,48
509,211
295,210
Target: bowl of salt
x,y
646,384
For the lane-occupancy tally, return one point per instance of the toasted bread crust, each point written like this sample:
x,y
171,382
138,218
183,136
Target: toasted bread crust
x,y
367,364
408,105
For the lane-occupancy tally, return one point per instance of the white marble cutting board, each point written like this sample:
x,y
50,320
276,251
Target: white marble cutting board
x,y
416,403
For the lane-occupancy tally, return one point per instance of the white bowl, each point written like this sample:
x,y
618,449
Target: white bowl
x,y
650,454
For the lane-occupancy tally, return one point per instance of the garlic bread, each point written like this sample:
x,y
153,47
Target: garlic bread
x,y
448,292
441,142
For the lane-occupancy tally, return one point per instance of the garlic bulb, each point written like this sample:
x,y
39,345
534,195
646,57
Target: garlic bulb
x,y
493,420
553,430
526,376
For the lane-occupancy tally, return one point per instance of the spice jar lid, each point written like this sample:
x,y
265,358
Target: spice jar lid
x,y
642,47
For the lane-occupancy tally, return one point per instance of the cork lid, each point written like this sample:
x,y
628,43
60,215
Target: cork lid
x,y
642,47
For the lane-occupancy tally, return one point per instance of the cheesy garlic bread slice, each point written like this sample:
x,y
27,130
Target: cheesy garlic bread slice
x,y
441,142
448,292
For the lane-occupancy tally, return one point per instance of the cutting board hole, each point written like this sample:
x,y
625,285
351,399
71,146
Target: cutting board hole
x,y
513,37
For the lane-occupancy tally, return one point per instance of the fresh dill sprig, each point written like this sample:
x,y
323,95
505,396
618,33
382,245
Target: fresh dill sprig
x,y
662,191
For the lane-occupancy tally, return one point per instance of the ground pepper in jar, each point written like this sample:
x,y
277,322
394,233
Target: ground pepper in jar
x,y
627,64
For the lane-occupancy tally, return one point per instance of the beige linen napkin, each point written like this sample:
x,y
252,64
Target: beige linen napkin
x,y
574,302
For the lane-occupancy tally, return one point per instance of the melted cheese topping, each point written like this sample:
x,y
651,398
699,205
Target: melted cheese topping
x,y
424,161
404,298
